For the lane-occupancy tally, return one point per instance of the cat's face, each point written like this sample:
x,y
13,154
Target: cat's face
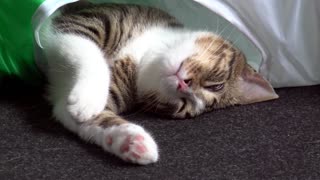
x,y
197,75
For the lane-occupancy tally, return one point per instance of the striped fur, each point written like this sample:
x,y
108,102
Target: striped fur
x,y
108,59
216,62
122,96
111,26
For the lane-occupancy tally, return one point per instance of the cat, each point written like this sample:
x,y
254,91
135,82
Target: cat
x,y
107,59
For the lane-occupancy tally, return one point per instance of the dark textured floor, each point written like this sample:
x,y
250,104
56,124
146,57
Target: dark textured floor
x,y
278,139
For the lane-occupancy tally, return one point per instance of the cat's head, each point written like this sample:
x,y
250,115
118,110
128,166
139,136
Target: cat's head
x,y
199,73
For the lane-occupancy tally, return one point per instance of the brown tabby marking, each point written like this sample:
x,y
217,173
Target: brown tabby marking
x,y
203,68
122,95
111,26
217,62
123,86
108,118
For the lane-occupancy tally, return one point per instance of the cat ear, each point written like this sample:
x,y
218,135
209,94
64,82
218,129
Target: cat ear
x,y
254,88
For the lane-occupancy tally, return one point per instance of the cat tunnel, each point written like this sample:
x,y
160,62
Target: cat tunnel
x,y
280,39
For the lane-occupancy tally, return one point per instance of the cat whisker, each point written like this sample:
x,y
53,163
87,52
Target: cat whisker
x,y
219,34
206,50
218,24
149,107
225,40
151,99
234,42
142,110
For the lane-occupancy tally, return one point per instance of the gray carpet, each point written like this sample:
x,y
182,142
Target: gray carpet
x,y
272,140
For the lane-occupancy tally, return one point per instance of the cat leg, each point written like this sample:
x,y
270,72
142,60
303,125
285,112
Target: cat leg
x,y
79,76
126,140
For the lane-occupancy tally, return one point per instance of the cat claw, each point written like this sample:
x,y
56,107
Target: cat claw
x,y
132,144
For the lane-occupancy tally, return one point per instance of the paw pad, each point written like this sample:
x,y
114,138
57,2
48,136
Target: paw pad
x,y
132,144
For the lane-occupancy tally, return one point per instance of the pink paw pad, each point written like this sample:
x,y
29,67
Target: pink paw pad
x,y
125,146
134,146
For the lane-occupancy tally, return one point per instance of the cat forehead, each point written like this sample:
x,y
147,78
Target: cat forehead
x,y
204,53
214,59
213,51
213,47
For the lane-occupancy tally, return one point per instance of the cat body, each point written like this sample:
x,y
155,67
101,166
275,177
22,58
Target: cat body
x,y
104,60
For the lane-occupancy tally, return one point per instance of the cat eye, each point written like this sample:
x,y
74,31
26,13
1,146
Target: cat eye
x,y
215,88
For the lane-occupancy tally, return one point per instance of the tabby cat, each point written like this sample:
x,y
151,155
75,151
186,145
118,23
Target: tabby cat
x,y
106,59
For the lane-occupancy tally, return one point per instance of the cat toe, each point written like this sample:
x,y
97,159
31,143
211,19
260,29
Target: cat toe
x,y
134,145
135,149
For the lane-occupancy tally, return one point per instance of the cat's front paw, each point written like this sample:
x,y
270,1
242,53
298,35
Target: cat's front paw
x,y
131,143
85,103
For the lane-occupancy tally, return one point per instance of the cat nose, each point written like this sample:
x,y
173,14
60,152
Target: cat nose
x,y
183,85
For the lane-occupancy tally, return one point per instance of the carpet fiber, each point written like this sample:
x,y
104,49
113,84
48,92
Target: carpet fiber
x,y
278,139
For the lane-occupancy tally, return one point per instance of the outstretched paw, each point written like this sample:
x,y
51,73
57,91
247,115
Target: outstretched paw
x,y
131,143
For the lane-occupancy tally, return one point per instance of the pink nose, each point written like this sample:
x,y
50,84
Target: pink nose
x,y
182,86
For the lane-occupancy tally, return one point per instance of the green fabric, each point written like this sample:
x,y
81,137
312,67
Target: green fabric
x,y
16,44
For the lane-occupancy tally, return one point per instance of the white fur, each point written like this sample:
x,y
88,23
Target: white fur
x,y
159,53
119,134
80,77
